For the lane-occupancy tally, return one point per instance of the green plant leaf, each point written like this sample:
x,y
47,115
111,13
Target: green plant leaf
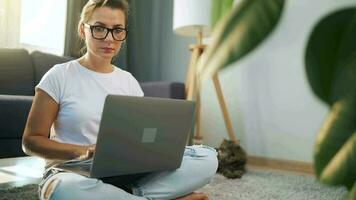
x,y
218,9
226,6
341,169
352,193
239,32
331,56
338,128
215,12
331,71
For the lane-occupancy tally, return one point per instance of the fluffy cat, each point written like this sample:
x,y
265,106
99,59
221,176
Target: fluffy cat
x,y
232,159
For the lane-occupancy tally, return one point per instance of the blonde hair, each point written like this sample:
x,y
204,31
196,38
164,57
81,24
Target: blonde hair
x,y
89,8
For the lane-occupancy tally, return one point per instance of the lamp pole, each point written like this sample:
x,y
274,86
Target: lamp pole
x,y
192,91
188,21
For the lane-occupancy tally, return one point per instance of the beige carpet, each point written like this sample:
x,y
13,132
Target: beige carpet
x,y
254,185
271,185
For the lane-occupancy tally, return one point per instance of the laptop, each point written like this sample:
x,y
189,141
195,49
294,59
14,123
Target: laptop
x,y
138,135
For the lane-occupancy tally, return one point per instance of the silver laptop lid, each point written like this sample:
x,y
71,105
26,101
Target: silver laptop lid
x,y
141,134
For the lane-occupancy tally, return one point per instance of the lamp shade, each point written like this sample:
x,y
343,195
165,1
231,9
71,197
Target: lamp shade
x,y
192,17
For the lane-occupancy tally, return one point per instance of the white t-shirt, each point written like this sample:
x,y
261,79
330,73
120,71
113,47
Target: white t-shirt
x,y
81,93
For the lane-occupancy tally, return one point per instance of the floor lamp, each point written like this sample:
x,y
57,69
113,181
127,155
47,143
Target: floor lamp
x,y
192,19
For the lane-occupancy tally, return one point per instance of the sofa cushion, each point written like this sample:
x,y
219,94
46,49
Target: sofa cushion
x,y
16,72
14,110
11,148
44,61
163,89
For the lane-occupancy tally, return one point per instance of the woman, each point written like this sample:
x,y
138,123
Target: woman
x,y
71,96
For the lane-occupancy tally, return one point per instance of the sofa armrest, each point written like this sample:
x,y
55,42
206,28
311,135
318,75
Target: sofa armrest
x,y
14,110
173,90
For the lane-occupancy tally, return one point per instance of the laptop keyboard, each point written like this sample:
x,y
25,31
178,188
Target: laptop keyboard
x,y
76,165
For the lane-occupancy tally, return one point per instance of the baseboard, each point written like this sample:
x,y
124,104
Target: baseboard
x,y
288,165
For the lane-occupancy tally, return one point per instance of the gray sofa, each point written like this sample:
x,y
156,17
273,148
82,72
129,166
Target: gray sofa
x,y
20,72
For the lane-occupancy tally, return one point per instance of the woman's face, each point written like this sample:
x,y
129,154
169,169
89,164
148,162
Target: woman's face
x,y
104,17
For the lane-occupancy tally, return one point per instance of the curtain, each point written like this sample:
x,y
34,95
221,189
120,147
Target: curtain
x,y
144,39
154,52
73,46
10,23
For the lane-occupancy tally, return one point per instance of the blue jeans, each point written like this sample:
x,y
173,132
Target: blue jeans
x,y
198,166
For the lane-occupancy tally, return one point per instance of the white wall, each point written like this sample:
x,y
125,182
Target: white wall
x,y
273,110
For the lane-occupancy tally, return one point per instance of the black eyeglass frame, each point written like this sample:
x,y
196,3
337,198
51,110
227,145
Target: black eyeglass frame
x,y
91,27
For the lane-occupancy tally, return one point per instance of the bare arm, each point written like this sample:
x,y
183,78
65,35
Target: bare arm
x,y
35,139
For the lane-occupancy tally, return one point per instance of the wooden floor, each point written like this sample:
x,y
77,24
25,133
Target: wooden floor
x,y
284,165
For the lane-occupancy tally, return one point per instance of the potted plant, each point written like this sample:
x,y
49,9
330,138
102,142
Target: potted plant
x,y
331,70
330,62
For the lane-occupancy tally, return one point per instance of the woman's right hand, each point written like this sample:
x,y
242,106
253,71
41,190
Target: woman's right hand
x,y
86,152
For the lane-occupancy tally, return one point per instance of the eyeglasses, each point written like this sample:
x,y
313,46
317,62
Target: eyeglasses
x,y
100,32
